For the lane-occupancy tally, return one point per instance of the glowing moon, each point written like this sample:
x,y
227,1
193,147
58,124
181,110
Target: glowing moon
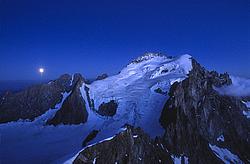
x,y
41,70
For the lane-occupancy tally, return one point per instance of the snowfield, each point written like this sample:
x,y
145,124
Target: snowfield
x,y
140,90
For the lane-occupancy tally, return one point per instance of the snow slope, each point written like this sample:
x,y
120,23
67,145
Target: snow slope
x,y
138,104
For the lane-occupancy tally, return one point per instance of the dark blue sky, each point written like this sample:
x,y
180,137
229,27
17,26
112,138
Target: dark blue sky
x,y
93,37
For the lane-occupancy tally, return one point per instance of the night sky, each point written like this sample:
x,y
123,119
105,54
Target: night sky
x,y
93,37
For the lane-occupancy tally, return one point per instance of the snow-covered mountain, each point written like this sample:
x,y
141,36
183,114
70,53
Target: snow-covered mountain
x,y
200,126
55,118
140,90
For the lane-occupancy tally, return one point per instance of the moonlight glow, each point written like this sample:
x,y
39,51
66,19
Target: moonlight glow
x,y
41,70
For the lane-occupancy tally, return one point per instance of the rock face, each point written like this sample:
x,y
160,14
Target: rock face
x,y
101,77
90,101
108,109
33,101
195,116
130,146
146,56
73,110
158,90
90,137
246,98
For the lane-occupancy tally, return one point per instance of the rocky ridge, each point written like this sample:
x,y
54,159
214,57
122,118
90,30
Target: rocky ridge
x,y
33,101
131,146
102,76
195,117
73,110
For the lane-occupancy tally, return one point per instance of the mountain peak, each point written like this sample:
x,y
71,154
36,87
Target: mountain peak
x,y
147,56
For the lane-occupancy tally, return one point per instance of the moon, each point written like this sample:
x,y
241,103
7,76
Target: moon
x,y
41,70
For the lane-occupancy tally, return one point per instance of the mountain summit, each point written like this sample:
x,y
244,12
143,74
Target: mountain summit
x,y
147,56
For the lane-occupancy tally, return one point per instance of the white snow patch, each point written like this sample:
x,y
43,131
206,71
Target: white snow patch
x,y
247,113
220,138
185,63
123,129
135,136
71,160
181,66
71,80
225,155
247,103
164,148
107,139
94,161
165,70
178,160
92,115
172,81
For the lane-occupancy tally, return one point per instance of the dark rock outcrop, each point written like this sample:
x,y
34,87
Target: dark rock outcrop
x,y
246,98
146,56
90,101
195,115
131,146
101,77
158,90
108,109
90,137
73,110
33,101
